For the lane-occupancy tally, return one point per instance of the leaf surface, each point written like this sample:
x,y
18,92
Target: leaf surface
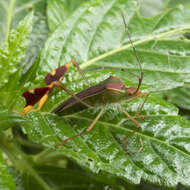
x,y
13,52
149,8
105,43
163,160
37,39
8,119
6,181
180,96
71,179
58,11
11,13
11,55
94,35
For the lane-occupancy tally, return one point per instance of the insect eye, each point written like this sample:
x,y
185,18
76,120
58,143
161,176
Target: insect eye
x,y
131,90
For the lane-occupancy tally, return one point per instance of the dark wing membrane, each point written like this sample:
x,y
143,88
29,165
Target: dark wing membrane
x,y
59,72
82,95
34,96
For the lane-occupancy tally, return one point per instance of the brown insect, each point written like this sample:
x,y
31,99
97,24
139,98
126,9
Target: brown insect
x,y
52,79
111,90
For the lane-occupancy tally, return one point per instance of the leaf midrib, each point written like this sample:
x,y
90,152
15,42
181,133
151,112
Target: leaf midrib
x,y
151,51
9,18
138,42
146,69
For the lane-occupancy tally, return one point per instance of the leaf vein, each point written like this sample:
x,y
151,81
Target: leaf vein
x,y
130,130
97,27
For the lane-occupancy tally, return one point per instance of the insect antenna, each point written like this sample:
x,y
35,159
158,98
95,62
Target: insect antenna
x,y
135,52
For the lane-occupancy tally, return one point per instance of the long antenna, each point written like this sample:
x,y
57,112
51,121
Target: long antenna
x,y
135,52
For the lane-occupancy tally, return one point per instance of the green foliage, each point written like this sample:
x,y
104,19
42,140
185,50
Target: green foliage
x,y
37,38
180,96
58,11
92,33
163,134
6,179
99,44
13,51
11,12
151,8
12,54
62,178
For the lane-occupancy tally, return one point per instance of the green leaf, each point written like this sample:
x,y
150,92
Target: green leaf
x,y
8,119
94,35
173,3
13,52
6,181
163,160
180,96
11,55
11,13
62,178
105,43
18,179
37,40
58,11
150,8
165,60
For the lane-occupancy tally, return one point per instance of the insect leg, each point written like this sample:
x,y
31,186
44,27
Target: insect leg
x,y
80,71
86,131
140,108
129,116
142,145
27,109
135,122
41,103
60,85
33,96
